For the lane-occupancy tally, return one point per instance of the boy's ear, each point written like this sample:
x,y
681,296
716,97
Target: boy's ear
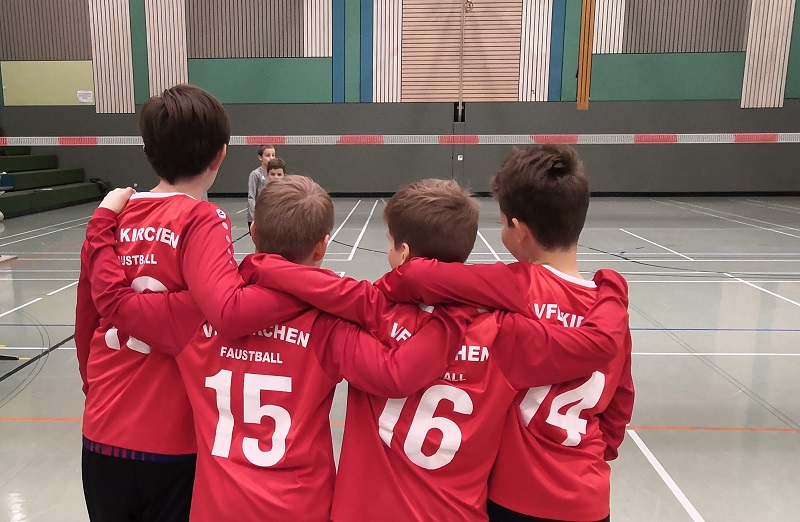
x,y
405,253
319,251
521,231
218,159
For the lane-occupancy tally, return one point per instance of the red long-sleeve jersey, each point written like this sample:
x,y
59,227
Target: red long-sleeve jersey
x,y
261,402
558,437
428,456
164,242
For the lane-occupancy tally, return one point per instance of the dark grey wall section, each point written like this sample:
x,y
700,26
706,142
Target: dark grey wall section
x,y
686,26
236,29
45,30
353,169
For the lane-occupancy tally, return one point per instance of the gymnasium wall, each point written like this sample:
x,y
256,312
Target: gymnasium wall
x,y
315,67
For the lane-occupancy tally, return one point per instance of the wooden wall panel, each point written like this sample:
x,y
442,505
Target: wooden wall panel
x,y
431,39
387,17
44,30
317,28
767,58
609,25
534,58
167,60
112,56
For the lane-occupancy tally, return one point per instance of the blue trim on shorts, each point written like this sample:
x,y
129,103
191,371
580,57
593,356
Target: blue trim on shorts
x,y
127,454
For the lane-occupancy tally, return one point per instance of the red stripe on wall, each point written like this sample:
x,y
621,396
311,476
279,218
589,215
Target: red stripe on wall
x,y
553,139
655,138
754,137
77,140
266,140
360,139
460,139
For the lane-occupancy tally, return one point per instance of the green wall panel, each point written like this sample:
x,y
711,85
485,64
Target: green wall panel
x,y
265,80
352,50
684,76
572,47
46,82
141,81
793,74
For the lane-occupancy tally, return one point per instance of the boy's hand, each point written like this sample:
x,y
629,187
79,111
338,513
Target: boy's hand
x,y
116,200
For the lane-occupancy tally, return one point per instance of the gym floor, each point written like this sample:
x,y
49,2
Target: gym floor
x,y
715,291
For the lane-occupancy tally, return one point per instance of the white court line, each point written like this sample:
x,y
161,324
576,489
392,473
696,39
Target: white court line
x,y
239,212
488,246
34,348
666,478
764,290
40,235
713,354
716,281
741,216
764,205
656,244
364,229
727,219
345,220
615,259
63,288
787,207
45,228
20,306
340,274
20,271
12,278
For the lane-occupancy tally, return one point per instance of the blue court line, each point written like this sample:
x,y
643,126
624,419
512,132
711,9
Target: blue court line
x,y
769,330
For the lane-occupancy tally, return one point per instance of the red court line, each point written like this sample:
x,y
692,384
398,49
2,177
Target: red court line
x,y
339,423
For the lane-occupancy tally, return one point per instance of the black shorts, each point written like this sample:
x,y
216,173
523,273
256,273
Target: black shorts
x,y
498,513
125,490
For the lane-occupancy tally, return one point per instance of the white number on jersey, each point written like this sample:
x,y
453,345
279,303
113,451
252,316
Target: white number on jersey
x,y
254,411
587,395
140,284
424,421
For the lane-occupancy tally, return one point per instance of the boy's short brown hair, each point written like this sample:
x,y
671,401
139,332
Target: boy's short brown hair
x,y
436,218
262,148
183,130
546,188
276,163
292,216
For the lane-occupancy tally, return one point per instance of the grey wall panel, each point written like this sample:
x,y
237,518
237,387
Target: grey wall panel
x,y
56,30
627,168
237,29
685,26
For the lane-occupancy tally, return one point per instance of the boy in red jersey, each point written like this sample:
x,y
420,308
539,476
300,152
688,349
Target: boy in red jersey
x,y
237,479
552,464
428,456
261,402
138,439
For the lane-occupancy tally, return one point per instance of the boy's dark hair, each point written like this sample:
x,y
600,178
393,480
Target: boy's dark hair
x,y
436,218
546,188
276,163
183,130
292,215
262,148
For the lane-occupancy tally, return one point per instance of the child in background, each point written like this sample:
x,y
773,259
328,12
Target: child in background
x,y
384,471
276,169
258,179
